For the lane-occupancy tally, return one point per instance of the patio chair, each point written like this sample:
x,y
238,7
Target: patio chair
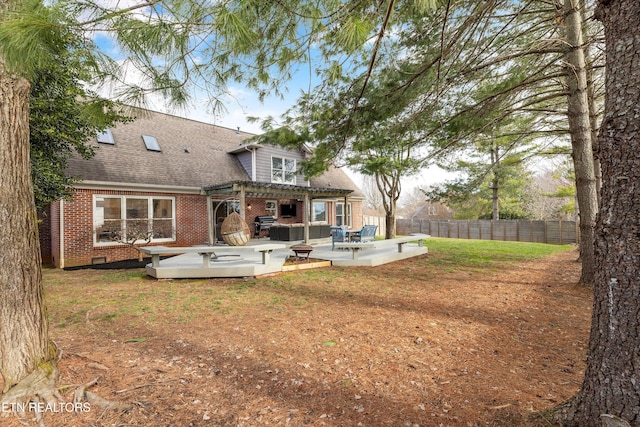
x,y
366,234
338,234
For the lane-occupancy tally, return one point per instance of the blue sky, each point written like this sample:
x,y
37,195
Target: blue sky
x,y
241,103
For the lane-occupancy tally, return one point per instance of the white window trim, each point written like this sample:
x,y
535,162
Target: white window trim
x,y
326,211
347,215
295,168
123,214
274,210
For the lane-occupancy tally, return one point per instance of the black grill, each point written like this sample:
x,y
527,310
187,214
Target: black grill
x,y
263,223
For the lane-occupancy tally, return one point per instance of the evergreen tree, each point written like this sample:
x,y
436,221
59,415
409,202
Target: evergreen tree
x,y
63,117
610,394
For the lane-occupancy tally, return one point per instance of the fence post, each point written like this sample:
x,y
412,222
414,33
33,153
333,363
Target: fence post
x,y
531,230
560,228
546,238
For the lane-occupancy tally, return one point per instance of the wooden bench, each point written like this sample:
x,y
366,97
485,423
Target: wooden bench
x,y
401,241
209,252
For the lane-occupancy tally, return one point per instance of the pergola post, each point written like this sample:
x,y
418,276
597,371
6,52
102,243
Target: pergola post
x,y
346,212
242,202
307,217
210,223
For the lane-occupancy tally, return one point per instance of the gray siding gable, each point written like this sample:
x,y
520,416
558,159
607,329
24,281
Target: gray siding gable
x,y
263,162
245,160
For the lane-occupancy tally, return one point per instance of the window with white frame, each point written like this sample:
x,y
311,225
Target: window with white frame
x,y
271,208
342,217
283,170
319,211
133,218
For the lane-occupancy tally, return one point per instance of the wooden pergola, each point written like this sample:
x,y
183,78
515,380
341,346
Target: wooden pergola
x,y
243,189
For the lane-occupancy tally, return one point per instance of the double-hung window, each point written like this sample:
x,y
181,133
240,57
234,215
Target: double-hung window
x,y
343,217
133,218
283,170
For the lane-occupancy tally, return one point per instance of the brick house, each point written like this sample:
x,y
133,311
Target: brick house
x,y
178,179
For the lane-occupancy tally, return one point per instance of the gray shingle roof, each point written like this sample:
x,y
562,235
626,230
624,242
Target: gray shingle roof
x,y
194,154
128,160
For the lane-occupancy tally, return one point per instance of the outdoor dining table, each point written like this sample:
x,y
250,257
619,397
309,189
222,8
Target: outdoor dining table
x,y
350,234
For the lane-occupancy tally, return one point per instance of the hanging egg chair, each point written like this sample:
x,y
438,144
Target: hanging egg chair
x,y
235,232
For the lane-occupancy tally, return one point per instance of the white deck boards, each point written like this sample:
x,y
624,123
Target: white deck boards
x,y
370,257
189,266
249,264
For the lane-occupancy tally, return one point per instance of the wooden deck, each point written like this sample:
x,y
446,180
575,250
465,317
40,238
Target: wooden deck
x,y
249,261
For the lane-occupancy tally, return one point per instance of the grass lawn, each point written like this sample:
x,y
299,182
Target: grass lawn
x,y
474,333
463,253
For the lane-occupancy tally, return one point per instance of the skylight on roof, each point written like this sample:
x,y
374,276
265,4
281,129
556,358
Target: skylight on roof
x,y
105,137
151,143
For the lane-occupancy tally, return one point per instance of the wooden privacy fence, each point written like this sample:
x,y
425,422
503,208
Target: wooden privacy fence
x,y
376,220
552,231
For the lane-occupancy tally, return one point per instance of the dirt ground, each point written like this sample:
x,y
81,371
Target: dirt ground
x,y
395,345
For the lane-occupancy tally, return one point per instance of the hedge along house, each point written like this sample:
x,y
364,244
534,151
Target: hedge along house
x,y
177,179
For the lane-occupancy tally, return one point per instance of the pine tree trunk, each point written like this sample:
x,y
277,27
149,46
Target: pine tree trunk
x,y
591,95
23,323
580,130
612,378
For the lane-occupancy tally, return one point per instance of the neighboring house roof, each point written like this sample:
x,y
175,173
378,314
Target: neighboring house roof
x,y
433,210
193,154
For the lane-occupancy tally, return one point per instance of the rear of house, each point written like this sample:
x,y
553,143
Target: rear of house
x,y
174,180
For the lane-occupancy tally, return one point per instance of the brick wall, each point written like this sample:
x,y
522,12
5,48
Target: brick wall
x,y
44,234
356,214
54,222
258,208
191,227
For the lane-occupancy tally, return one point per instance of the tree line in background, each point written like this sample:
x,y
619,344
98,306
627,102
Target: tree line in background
x,y
477,87
548,193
